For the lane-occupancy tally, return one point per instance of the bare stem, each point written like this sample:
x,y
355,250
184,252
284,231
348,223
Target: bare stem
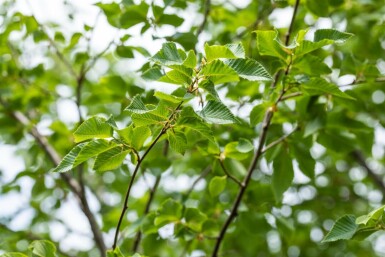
x,y
290,30
205,16
228,174
279,140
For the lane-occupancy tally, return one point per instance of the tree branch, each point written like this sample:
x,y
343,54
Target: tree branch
x,y
360,159
140,160
204,173
74,186
207,6
290,30
279,140
228,173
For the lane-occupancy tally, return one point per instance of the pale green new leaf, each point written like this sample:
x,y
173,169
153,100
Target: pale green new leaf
x,y
268,44
191,60
153,73
318,86
68,161
372,216
217,185
168,55
249,69
42,248
111,159
115,253
176,77
217,113
157,116
95,127
178,141
257,114
218,51
344,229
218,72
92,149
238,150
172,98
331,34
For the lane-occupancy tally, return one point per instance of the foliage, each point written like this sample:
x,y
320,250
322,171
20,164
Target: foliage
x,y
234,137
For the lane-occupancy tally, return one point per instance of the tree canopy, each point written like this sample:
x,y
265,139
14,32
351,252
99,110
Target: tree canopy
x,y
192,128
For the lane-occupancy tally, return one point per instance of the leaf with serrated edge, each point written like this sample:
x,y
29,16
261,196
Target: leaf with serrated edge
x,y
168,55
95,127
137,106
92,149
249,69
218,72
344,229
68,161
111,159
178,141
218,113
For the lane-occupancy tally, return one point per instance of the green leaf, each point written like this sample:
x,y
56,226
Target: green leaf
x,y
139,136
249,69
305,161
42,248
137,106
172,98
157,116
170,211
217,113
238,150
153,73
191,60
319,8
208,85
180,76
115,253
95,127
217,185
219,73
257,114
68,161
92,149
110,159
283,174
133,15
124,51
318,86
344,229
312,65
331,34
372,216
267,43
194,219
178,141
227,51
168,55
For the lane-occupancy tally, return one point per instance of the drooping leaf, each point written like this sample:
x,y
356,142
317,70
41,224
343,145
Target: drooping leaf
x,y
42,248
249,69
257,114
95,127
283,174
343,229
172,98
68,161
217,113
110,159
139,136
217,185
153,73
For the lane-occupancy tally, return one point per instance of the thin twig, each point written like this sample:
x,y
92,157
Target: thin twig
x,y
279,140
73,184
228,174
290,30
292,95
140,160
204,173
207,6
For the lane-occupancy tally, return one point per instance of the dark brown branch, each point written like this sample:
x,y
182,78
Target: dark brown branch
x,y
73,184
290,30
228,174
360,159
292,95
204,173
207,9
140,160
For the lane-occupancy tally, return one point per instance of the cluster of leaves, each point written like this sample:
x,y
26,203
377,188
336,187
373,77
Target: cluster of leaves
x,y
249,82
